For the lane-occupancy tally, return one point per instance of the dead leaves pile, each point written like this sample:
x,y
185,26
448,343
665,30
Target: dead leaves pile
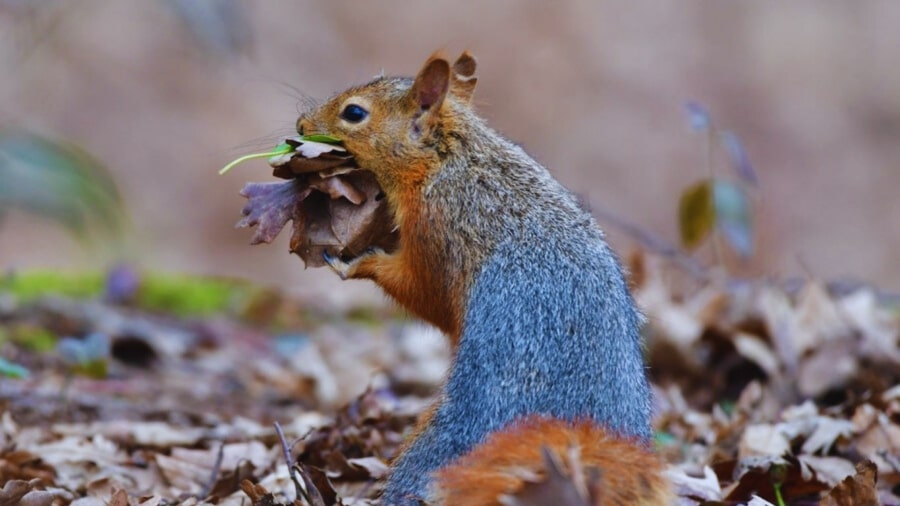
x,y
760,393
191,425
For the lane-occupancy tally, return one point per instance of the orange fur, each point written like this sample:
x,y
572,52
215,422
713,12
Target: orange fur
x,y
629,473
406,276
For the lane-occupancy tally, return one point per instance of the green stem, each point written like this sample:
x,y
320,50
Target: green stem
x,y
280,149
778,498
244,158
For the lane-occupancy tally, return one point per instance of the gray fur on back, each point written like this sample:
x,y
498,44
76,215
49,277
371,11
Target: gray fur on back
x,y
549,330
550,327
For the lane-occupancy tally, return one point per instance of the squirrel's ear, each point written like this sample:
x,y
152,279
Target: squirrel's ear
x,y
464,79
431,85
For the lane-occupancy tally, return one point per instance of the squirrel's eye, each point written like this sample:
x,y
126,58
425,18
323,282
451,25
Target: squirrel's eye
x,y
354,113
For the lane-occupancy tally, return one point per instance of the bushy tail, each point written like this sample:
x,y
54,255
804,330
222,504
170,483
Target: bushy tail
x,y
538,460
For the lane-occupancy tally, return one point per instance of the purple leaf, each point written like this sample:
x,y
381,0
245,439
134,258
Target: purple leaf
x,y
270,207
697,116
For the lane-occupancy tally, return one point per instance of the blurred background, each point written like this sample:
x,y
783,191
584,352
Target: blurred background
x,y
164,93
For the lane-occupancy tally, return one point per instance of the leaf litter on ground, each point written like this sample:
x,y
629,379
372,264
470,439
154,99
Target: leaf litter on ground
x,y
746,410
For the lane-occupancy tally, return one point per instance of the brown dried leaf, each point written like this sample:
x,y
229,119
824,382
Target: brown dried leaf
x,y
828,470
706,488
318,487
30,493
14,490
876,324
674,322
340,468
187,477
761,479
763,440
342,214
153,500
858,489
817,318
119,498
300,165
879,441
554,488
337,187
73,458
342,228
23,465
130,432
258,494
228,482
375,467
190,469
757,351
40,498
830,365
826,433
335,206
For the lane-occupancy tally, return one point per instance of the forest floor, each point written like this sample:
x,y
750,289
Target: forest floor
x,y
126,389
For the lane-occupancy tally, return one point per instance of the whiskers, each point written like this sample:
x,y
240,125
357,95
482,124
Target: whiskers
x,y
264,142
305,102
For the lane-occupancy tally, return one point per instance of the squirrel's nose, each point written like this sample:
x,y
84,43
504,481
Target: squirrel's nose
x,y
302,125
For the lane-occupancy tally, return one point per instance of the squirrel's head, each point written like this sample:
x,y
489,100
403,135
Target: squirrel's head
x,y
396,127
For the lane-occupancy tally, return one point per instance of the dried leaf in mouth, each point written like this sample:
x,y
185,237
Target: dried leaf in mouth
x,y
340,213
296,165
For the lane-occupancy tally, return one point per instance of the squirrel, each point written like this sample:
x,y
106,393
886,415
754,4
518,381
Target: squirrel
x,y
504,260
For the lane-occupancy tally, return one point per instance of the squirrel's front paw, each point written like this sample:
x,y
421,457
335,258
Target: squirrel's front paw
x,y
347,270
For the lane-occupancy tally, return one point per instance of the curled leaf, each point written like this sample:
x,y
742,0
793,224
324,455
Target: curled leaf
x,y
342,215
309,149
270,207
297,165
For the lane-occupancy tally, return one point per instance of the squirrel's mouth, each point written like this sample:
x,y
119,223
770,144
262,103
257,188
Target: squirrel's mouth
x,y
335,206
310,157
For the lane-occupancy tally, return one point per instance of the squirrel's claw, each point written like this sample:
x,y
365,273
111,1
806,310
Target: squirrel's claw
x,y
351,269
339,266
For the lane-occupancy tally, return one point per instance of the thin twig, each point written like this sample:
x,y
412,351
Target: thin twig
x,y
290,463
217,466
653,243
